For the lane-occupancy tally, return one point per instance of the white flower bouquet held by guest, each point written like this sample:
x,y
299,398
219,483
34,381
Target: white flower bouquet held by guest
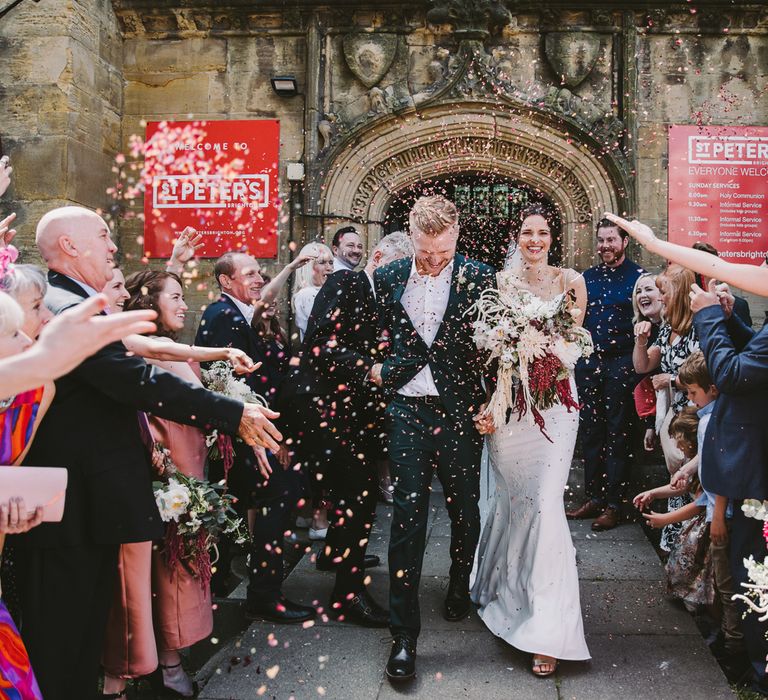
x,y
536,343
219,378
756,596
198,513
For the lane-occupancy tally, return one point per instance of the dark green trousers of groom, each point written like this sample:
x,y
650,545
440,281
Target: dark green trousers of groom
x,y
431,433
423,437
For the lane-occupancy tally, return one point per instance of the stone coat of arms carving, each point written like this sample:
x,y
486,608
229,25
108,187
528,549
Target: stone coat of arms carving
x,y
369,56
572,55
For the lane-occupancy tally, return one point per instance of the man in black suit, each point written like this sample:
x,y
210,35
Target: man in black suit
x,y
434,371
67,570
227,323
342,409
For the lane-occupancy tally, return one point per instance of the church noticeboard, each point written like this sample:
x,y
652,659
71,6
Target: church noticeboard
x,y
219,177
718,189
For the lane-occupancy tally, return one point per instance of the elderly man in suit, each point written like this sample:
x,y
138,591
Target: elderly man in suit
x,y
342,409
434,371
93,428
271,496
736,442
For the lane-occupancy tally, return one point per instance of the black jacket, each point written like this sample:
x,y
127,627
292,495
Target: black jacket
x,y
456,364
92,429
224,326
342,339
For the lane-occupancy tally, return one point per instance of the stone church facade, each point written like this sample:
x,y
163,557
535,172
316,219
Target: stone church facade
x,y
557,101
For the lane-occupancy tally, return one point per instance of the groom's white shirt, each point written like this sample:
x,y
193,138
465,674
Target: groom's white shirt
x,y
425,299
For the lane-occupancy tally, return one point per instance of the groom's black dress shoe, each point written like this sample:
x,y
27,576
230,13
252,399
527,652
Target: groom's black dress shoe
x,y
325,562
402,659
361,610
457,603
279,610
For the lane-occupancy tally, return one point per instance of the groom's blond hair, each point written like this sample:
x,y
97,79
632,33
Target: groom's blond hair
x,y
433,215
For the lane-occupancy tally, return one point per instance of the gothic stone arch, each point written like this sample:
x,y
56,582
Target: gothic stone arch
x,y
365,173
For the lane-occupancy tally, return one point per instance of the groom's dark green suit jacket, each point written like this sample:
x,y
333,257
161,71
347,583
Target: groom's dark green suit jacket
x,y
457,365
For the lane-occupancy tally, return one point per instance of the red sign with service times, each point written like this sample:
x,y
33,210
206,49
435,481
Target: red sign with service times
x,y
219,177
718,189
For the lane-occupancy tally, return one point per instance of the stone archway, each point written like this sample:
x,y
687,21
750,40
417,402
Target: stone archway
x,y
477,137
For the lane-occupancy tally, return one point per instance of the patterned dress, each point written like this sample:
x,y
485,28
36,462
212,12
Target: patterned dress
x,y
17,680
690,576
673,354
17,423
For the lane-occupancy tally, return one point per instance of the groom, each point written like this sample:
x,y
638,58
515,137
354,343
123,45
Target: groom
x,y
434,373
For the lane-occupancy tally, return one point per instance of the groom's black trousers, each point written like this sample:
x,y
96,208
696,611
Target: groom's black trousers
x,y
422,438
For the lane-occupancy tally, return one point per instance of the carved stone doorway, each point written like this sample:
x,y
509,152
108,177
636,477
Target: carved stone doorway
x,y
364,173
489,206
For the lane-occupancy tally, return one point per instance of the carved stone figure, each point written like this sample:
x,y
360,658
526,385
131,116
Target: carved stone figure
x,y
369,56
325,129
377,99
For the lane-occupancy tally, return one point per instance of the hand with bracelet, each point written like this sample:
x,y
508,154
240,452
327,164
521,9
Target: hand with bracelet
x,y
643,333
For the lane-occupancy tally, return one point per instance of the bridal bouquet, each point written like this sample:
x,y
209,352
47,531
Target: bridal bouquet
x,y
536,344
756,595
220,378
197,513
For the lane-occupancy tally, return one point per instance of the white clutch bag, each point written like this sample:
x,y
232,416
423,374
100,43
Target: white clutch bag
x,y
38,486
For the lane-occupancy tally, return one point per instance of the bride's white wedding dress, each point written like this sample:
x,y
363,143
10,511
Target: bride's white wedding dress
x,y
526,582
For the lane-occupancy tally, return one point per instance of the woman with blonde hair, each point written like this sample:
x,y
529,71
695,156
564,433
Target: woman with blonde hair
x,y
675,342
646,300
308,280
647,306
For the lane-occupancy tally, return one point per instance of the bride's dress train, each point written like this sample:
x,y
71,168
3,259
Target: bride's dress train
x,y
526,582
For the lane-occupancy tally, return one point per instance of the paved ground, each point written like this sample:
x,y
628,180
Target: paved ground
x,y
642,645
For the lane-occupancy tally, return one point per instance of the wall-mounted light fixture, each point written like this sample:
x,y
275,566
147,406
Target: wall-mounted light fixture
x,y
284,85
295,172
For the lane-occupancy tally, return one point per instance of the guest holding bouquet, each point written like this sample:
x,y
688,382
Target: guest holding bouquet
x,y
178,597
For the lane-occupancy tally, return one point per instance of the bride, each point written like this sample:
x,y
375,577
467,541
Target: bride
x,y
526,584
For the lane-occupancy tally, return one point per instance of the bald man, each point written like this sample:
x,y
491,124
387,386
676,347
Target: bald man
x,y
94,428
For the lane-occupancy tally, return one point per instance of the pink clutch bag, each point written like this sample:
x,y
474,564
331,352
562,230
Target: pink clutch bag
x,y
38,486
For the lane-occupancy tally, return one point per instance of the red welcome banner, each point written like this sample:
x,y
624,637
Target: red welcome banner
x,y
219,177
718,189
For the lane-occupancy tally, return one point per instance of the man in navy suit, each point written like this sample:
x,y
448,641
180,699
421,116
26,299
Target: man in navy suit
x,y
736,442
227,323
